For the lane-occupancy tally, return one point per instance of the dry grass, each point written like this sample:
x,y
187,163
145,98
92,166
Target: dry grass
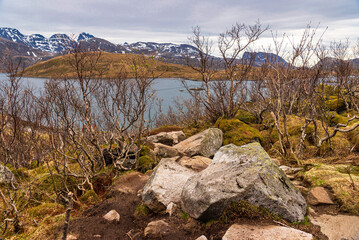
x,y
111,64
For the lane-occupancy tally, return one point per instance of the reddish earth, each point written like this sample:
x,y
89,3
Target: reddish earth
x,y
123,198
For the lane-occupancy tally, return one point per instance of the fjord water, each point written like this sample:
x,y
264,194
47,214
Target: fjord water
x,y
167,89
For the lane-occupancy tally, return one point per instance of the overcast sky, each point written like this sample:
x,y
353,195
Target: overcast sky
x,y
172,20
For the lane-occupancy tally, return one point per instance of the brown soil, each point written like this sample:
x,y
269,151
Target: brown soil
x,y
123,198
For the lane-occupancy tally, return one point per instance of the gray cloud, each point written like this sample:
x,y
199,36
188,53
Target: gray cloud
x,y
172,20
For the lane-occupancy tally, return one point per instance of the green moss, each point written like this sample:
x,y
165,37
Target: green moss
x,y
46,209
145,150
90,197
334,103
21,174
194,128
245,116
46,230
142,210
184,215
338,181
237,132
146,163
335,118
243,209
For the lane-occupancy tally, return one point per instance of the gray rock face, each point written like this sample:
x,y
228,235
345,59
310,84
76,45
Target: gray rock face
x,y
157,229
244,173
270,232
6,176
165,184
205,143
167,138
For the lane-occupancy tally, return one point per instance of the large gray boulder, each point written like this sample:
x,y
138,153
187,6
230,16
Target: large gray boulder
x,y
167,138
244,173
6,176
205,143
165,184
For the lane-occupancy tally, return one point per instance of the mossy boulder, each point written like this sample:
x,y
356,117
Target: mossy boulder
x,y
336,178
237,132
240,173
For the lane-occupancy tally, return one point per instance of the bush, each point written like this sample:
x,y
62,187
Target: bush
x,y
146,163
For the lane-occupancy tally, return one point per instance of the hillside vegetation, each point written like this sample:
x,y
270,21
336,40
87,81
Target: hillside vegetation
x,y
111,64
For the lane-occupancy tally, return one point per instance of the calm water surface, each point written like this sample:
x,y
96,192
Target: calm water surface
x,y
167,89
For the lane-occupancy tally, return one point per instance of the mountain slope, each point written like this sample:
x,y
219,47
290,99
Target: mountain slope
x,y
112,64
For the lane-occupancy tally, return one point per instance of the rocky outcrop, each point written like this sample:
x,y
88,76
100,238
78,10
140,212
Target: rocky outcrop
x,y
6,176
165,184
197,163
205,143
270,232
244,173
167,138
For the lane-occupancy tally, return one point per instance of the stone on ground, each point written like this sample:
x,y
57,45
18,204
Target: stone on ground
x,y
340,227
165,184
205,143
164,151
167,138
244,173
157,229
319,195
202,238
270,232
6,176
112,216
71,237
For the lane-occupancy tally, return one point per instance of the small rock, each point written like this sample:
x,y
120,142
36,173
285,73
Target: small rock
x,y
112,216
202,238
6,176
157,229
164,151
319,195
197,163
290,170
97,236
338,227
270,232
171,208
71,237
167,138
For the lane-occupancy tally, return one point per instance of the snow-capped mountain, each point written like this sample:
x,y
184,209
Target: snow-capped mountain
x,y
58,43
260,58
55,44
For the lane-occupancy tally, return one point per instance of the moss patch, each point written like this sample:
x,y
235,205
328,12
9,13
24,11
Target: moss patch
x,y
146,163
338,181
237,132
90,197
46,209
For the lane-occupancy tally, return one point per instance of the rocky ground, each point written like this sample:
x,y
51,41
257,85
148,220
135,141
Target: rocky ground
x,y
193,195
